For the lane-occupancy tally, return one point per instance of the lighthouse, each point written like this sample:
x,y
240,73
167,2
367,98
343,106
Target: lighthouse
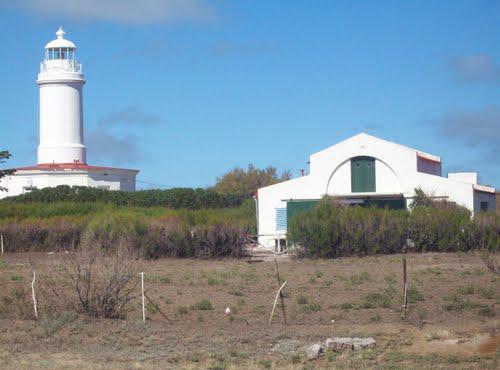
x,y
61,115
62,155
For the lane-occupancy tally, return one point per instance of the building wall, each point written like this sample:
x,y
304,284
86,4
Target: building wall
x,y
396,173
480,196
340,180
112,180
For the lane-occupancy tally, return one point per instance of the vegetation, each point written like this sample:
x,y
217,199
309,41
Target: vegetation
x,y
153,232
102,284
332,230
245,183
187,305
4,155
175,198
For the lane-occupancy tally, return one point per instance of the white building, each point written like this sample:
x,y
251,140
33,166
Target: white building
x,y
365,170
62,156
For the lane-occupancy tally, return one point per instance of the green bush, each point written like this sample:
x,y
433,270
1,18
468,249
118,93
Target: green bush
x,y
433,229
331,230
171,198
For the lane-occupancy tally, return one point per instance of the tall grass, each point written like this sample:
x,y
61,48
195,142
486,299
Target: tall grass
x,y
152,231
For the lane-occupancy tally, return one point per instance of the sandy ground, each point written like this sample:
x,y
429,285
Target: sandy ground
x,y
452,320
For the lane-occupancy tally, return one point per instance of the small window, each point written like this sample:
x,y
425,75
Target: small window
x,y
28,189
281,219
484,206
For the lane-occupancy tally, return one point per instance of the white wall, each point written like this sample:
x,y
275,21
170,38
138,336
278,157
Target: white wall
x,y
470,177
110,179
61,118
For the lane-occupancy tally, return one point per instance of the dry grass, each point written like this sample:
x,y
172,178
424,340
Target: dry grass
x,y
451,292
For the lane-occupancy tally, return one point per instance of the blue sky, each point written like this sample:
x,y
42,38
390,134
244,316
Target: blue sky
x,y
185,90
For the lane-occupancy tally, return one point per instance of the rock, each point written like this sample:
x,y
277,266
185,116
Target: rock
x,y
348,343
314,351
363,343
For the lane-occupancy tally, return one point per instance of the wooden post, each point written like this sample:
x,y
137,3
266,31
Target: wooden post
x,y
33,293
1,241
276,301
143,305
280,294
405,288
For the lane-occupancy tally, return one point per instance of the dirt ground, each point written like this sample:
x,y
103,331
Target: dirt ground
x,y
452,320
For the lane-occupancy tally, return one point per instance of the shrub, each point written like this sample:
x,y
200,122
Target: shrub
x,y
302,299
414,295
433,229
374,300
331,230
172,198
17,303
311,307
151,232
203,305
486,311
101,283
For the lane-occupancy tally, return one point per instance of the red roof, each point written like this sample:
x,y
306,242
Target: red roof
x,y
68,166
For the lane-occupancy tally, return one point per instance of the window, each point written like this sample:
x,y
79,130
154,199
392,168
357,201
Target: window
x,y
280,219
362,174
483,206
28,189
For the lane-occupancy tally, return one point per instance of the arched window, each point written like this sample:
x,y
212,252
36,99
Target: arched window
x,y
363,174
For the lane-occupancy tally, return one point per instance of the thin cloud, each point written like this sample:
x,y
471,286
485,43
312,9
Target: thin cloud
x,y
151,48
246,49
130,116
135,12
480,68
104,147
478,129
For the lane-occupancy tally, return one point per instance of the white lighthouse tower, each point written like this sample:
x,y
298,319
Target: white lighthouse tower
x,y
62,157
61,115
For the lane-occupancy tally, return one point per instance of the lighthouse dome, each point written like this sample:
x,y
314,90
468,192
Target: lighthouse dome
x,y
60,41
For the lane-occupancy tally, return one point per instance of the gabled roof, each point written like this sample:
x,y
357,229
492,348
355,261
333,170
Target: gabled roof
x,y
363,136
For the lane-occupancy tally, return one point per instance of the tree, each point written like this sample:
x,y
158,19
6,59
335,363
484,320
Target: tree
x,y
246,182
4,155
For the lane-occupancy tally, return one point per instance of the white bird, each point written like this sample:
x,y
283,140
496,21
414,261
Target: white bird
x,y
228,311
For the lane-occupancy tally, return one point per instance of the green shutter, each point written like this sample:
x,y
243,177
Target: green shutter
x,y
362,174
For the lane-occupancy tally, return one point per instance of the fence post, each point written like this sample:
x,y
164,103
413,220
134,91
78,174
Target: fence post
x,y
280,294
33,293
405,288
1,241
276,301
143,305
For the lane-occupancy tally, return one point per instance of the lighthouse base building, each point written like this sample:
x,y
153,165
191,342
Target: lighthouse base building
x,y
27,179
366,171
62,156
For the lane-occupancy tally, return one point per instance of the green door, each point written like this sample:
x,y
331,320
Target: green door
x,y
362,174
295,206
